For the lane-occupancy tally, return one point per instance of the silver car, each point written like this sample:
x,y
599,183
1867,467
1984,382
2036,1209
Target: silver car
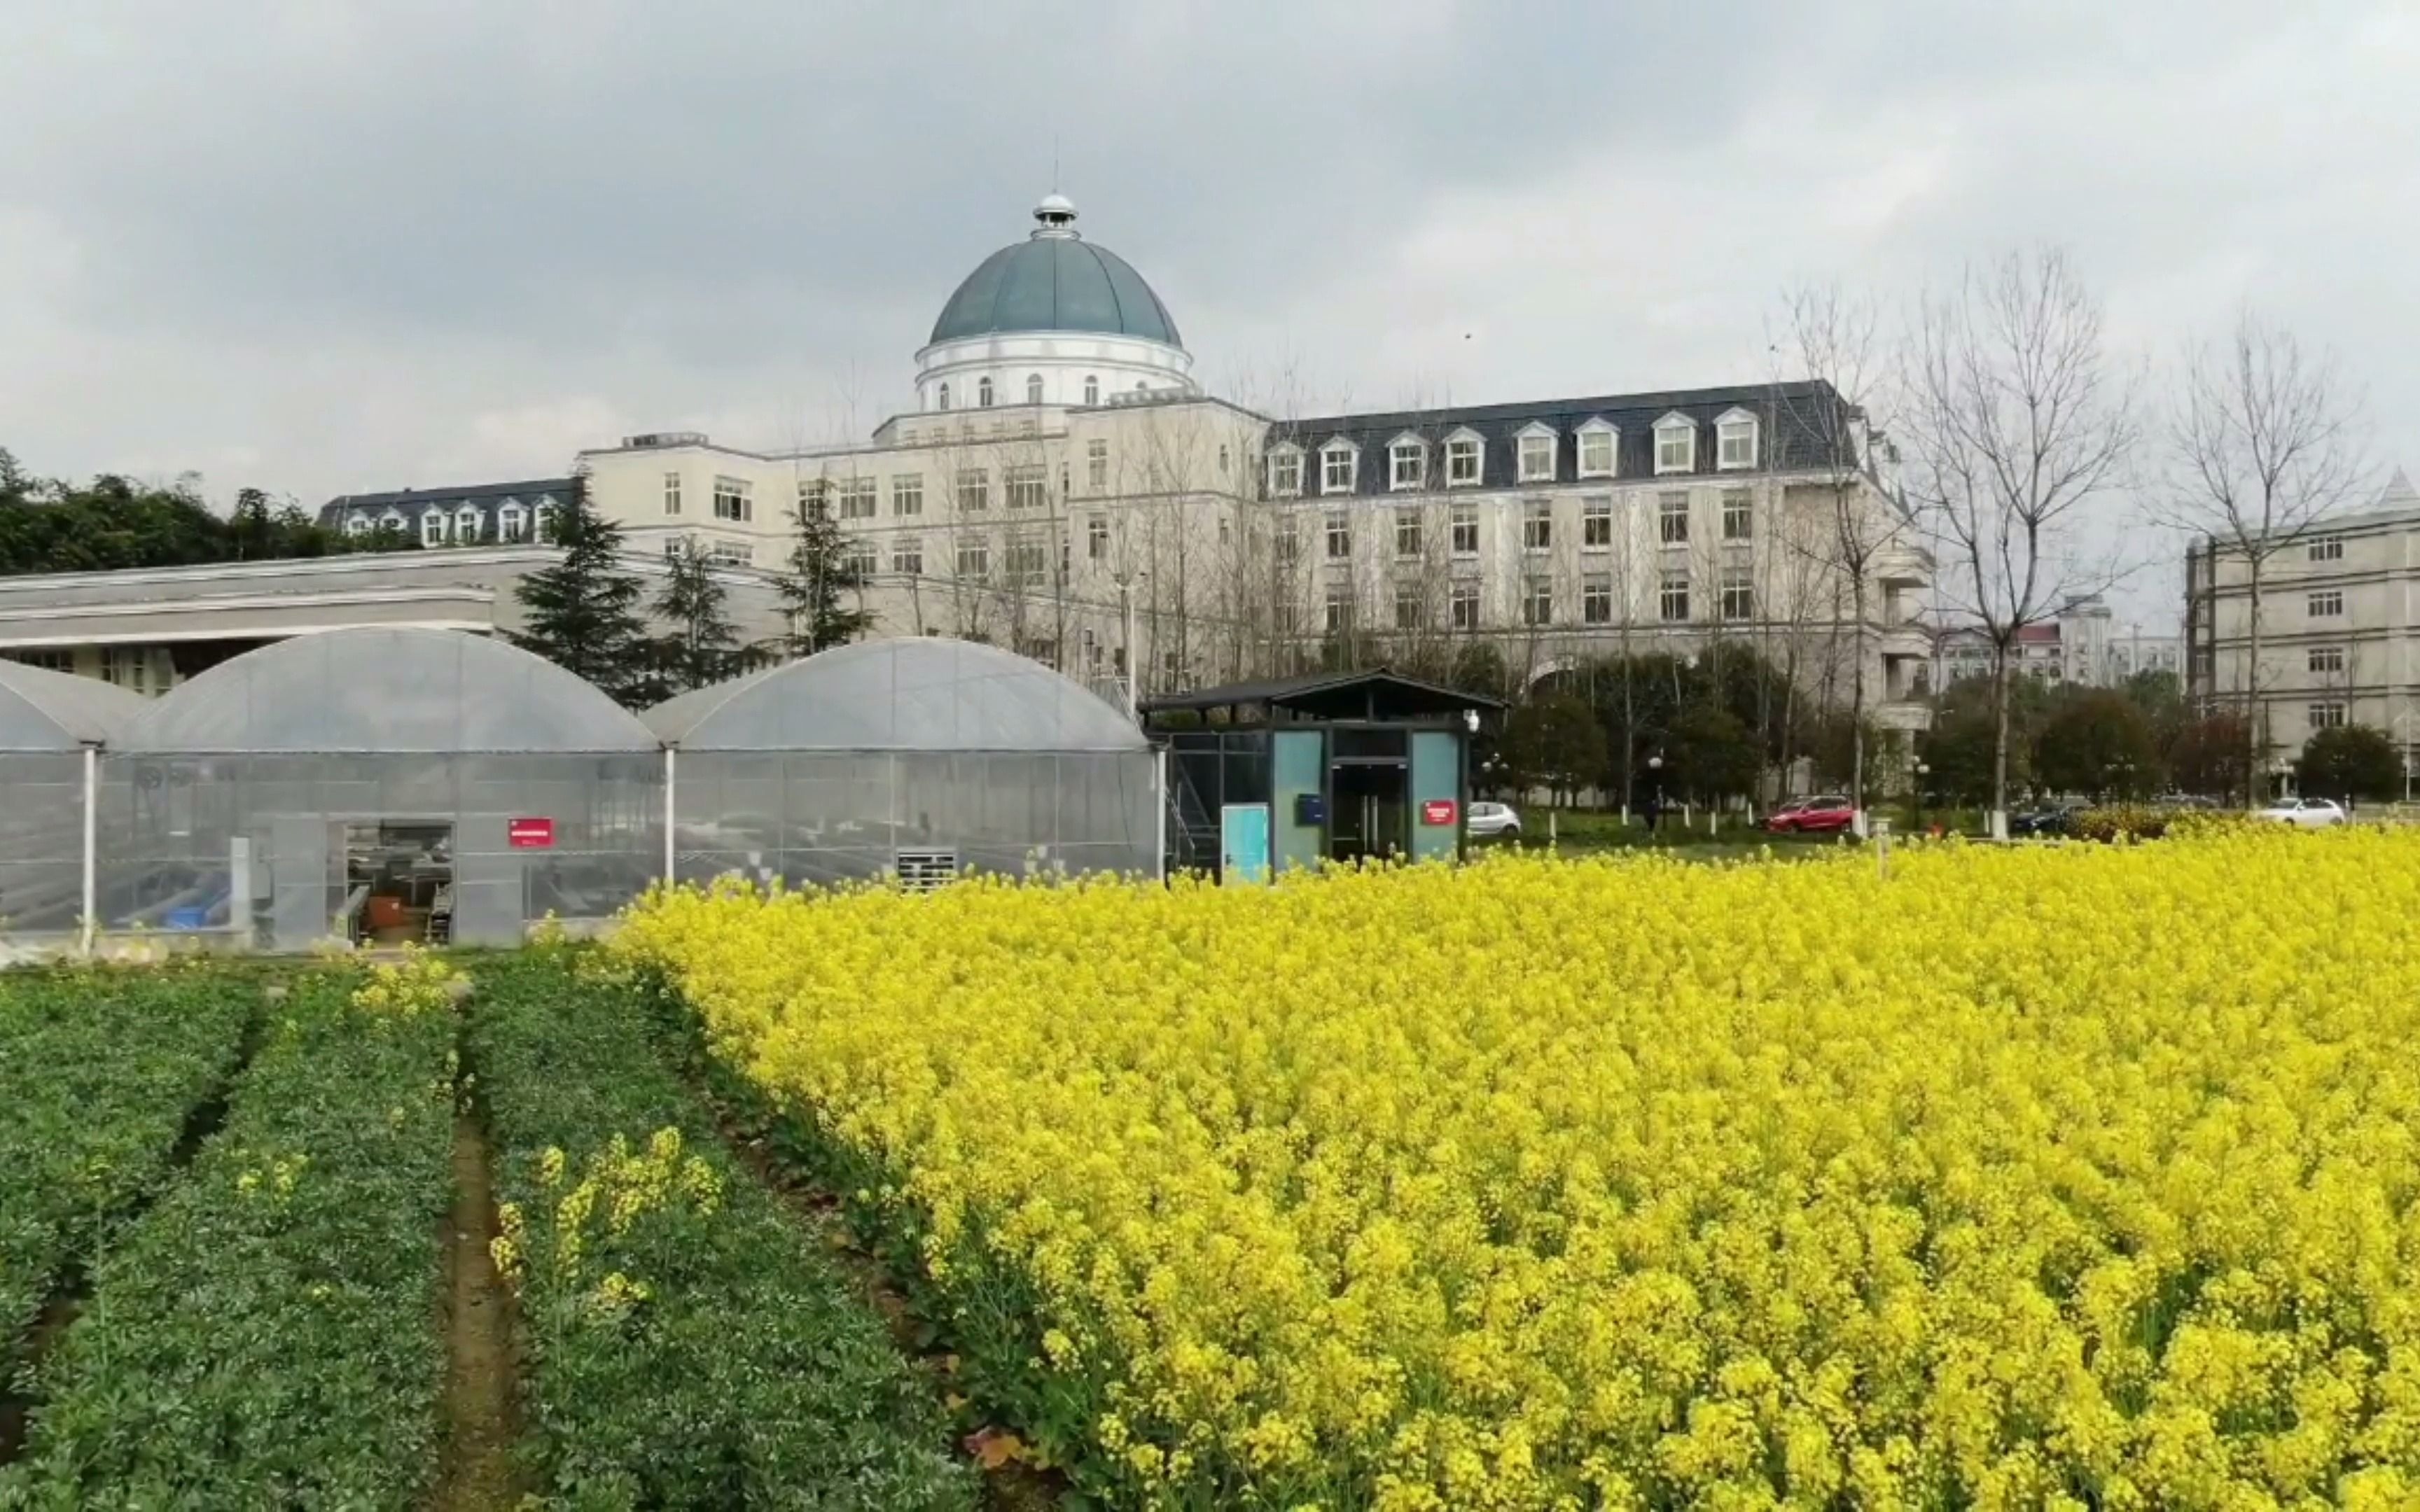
x,y
2305,813
1493,819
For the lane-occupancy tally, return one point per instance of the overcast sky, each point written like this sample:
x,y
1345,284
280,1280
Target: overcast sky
x,y
322,247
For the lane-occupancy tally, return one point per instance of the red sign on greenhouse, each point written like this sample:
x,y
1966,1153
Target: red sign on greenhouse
x,y
529,834
1437,812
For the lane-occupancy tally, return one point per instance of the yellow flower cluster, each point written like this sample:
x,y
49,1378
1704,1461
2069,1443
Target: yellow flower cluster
x,y
2056,1176
419,983
618,1186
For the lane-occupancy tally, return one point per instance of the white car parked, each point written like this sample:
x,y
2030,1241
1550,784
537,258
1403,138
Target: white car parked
x,y
2307,814
1493,819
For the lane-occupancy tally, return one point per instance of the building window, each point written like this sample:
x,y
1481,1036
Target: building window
x,y
1739,515
2330,715
1672,518
672,493
1285,474
1097,465
1028,486
1096,538
2325,606
1465,606
1033,388
858,559
1537,456
1340,536
1029,563
2327,658
129,666
857,499
1676,445
1672,603
1596,599
49,660
1466,532
908,494
1407,607
511,522
945,396
432,527
1407,464
1463,458
1408,533
1339,610
468,525
1537,601
729,554
1538,526
1289,545
1091,388
974,488
975,558
735,499
542,521
2327,548
1597,452
1223,460
1735,441
1336,468
1739,596
908,557
983,394
1596,524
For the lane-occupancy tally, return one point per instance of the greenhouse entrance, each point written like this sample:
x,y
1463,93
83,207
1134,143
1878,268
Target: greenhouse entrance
x,y
1369,818
398,880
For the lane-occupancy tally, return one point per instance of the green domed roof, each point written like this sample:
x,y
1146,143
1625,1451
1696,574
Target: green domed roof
x,y
1056,281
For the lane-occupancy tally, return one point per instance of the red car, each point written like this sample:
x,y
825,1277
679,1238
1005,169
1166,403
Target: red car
x,y
1812,816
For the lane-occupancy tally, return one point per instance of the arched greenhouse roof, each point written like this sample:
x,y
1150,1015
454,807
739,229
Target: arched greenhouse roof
x,y
382,689
44,710
914,693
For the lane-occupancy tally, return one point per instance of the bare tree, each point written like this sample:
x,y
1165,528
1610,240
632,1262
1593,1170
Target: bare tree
x,y
2262,446
2018,427
1829,342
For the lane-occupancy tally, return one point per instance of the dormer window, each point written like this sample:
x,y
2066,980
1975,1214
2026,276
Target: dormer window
x,y
1599,446
357,524
983,394
542,521
1735,440
1676,444
1285,472
432,527
1537,453
1033,388
509,521
391,522
945,396
1407,463
1337,461
1466,458
467,525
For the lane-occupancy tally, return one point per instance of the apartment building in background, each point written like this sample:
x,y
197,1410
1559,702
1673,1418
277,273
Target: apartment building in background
x,y
2339,626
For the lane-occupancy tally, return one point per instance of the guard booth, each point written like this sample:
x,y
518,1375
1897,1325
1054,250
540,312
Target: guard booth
x,y
1341,767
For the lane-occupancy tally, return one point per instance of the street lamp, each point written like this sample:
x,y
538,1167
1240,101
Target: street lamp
x,y
1923,771
1655,799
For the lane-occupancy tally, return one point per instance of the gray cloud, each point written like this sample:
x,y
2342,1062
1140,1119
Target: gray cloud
x,y
321,246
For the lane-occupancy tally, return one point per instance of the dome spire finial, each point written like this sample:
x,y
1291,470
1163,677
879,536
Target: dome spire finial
x,y
1055,216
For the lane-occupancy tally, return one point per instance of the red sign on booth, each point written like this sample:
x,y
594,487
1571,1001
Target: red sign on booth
x,y
1437,812
529,834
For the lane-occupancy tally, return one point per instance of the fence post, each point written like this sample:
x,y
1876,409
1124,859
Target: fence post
x,y
671,809
91,832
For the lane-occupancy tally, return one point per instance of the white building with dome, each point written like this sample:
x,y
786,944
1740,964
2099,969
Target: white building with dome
x,y
1064,488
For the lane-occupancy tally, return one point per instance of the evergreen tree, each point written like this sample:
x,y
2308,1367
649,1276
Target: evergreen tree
x,y
814,577
582,612
701,646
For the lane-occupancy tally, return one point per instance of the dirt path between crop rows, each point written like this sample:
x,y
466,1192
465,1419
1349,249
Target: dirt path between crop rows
x,y
481,1408
73,1285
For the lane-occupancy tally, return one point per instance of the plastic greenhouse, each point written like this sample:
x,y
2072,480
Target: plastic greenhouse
x,y
51,729
922,756
381,784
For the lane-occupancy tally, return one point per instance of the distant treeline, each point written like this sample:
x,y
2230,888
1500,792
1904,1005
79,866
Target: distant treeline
x,y
52,525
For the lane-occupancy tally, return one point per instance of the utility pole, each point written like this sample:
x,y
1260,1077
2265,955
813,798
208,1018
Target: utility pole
x,y
1126,614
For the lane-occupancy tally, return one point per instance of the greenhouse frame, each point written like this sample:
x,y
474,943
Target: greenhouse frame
x,y
916,755
393,785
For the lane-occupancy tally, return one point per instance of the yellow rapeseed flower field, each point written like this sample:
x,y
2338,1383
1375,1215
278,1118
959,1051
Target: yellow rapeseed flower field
x,y
2064,1176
